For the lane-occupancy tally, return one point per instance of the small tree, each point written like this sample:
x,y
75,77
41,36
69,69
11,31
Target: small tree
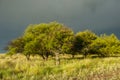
x,y
83,41
106,45
16,46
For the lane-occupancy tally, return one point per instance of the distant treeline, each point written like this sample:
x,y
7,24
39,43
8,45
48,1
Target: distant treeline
x,y
54,39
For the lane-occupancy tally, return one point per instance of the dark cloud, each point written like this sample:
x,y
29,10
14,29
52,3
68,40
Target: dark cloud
x,y
101,16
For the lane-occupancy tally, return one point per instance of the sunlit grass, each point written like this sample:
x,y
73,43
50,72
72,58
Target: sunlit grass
x,y
17,67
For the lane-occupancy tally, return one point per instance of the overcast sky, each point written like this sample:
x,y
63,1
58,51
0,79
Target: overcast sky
x,y
100,16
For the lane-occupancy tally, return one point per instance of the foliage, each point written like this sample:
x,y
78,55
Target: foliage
x,y
43,39
16,46
53,39
83,41
106,45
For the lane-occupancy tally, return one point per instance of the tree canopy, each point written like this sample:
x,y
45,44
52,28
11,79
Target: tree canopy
x,y
54,38
43,39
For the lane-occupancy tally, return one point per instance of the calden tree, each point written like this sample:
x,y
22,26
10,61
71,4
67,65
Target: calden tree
x,y
45,39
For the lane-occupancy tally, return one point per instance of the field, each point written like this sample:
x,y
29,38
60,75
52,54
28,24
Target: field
x,y
18,68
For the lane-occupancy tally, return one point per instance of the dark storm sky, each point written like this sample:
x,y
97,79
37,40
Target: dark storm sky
x,y
100,16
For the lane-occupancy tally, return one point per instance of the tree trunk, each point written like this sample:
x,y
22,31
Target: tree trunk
x,y
85,52
1,76
28,57
47,55
57,59
73,55
43,57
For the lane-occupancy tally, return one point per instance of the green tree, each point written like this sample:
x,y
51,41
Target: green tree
x,y
16,46
49,38
106,45
83,40
45,39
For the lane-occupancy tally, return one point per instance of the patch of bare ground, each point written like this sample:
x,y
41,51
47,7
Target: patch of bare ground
x,y
112,75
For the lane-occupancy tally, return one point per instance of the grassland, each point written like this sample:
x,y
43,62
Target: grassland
x,y
18,68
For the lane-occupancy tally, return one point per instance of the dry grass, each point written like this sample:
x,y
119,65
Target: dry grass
x,y
18,68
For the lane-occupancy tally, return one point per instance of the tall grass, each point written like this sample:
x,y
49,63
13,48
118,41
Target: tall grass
x,y
18,68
